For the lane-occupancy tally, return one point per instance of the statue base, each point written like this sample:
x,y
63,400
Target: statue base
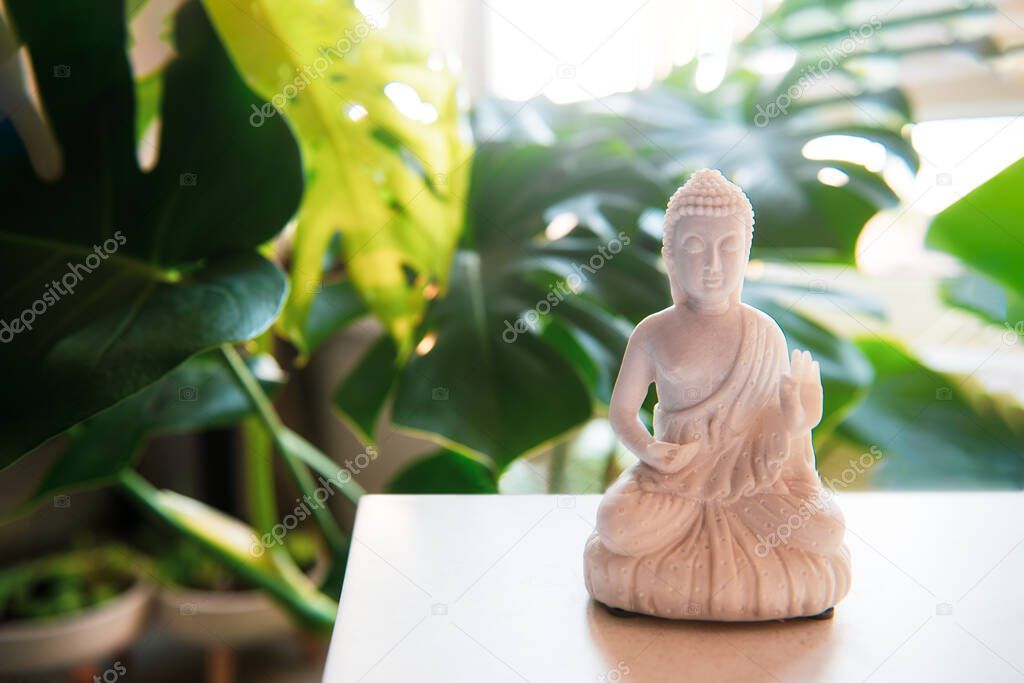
x,y
830,613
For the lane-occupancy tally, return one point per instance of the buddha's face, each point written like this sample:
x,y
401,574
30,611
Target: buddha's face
x,y
707,259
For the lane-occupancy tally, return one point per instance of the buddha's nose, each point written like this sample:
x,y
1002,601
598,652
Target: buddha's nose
x,y
713,265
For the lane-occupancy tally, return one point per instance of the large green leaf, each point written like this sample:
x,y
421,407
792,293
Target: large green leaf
x,y
198,394
121,274
336,305
928,431
984,228
476,384
390,179
479,394
363,393
444,472
986,298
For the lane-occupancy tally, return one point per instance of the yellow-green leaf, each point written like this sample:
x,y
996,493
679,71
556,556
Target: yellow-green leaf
x,y
385,160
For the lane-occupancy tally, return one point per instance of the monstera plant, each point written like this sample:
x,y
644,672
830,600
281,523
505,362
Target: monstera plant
x,y
125,287
114,275
511,362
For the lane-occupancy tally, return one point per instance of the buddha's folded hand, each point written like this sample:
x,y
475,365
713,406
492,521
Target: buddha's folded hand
x,y
669,458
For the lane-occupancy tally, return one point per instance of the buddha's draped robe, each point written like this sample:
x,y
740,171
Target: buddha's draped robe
x,y
745,530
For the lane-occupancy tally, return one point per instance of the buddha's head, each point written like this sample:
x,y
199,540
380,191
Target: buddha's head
x,y
708,229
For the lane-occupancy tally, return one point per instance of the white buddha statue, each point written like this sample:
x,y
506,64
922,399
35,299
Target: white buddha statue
x,y
724,516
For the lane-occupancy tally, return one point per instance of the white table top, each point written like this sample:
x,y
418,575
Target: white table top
x,y
490,589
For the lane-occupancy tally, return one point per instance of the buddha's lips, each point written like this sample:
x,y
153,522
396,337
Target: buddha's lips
x,y
713,281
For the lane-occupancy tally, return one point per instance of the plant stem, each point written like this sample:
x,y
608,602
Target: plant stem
x,y
275,428
259,476
556,467
259,484
610,468
259,464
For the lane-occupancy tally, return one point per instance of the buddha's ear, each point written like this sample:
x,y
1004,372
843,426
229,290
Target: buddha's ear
x,y
677,295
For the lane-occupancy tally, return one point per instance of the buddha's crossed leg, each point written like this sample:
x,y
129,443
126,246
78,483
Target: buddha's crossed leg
x,y
634,522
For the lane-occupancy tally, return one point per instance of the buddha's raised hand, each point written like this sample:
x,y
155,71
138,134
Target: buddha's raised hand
x,y
800,392
669,458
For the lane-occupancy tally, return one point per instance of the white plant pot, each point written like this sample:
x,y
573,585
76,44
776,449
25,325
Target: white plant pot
x,y
230,618
222,617
62,642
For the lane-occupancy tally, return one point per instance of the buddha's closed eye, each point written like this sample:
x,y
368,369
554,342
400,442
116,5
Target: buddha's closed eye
x,y
730,244
693,244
